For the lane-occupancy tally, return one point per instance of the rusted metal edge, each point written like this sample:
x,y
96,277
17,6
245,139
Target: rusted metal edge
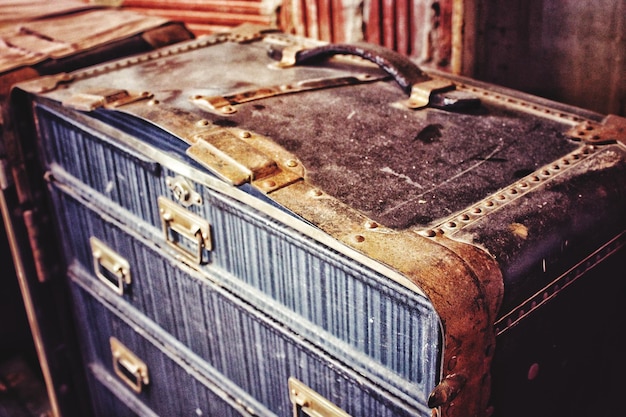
x,y
518,189
463,282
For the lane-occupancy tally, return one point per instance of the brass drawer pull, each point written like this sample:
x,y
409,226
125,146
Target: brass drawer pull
x,y
308,403
186,232
111,268
132,370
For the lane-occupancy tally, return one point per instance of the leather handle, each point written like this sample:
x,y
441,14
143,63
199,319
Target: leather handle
x,y
401,68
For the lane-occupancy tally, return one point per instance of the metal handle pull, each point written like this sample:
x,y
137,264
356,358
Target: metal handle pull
x,y
308,403
186,232
111,268
132,370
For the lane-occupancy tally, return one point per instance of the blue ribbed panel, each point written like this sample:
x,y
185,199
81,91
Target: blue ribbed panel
x,y
249,349
172,391
337,302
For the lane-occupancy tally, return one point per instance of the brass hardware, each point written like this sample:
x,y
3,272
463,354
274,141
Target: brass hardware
x,y
289,55
227,155
186,232
612,129
421,92
238,156
132,370
110,267
183,191
103,97
224,104
309,403
47,83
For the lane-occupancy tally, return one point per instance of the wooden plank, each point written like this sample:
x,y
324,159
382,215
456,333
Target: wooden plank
x,y
324,20
389,24
373,32
234,6
217,18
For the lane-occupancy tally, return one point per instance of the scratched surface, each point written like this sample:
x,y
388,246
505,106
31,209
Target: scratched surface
x,y
404,168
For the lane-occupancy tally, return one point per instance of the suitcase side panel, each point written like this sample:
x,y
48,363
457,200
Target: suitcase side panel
x,y
345,300
253,353
178,301
173,387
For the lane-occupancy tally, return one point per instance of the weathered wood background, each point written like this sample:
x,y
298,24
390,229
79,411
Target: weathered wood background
x,y
567,50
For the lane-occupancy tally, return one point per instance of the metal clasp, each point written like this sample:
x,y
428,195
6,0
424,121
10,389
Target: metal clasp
x,y
186,232
307,402
132,370
103,97
183,191
421,92
111,268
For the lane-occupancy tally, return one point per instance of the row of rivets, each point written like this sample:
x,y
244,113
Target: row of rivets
x,y
513,317
94,71
523,104
514,191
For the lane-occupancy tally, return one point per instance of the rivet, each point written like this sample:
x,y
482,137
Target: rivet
x,y
316,192
269,183
245,134
370,224
202,122
465,217
292,163
153,102
430,233
359,238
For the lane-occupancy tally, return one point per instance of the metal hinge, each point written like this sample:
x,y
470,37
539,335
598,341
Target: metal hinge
x,y
240,156
103,97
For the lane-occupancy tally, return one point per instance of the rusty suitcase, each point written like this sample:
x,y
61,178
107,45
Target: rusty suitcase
x,y
254,223
41,37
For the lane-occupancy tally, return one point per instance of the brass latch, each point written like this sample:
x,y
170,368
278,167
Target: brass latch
x,y
110,267
307,402
611,130
185,231
103,97
421,92
240,156
132,370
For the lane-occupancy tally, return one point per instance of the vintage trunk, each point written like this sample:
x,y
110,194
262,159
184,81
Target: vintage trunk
x,y
255,223
43,38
